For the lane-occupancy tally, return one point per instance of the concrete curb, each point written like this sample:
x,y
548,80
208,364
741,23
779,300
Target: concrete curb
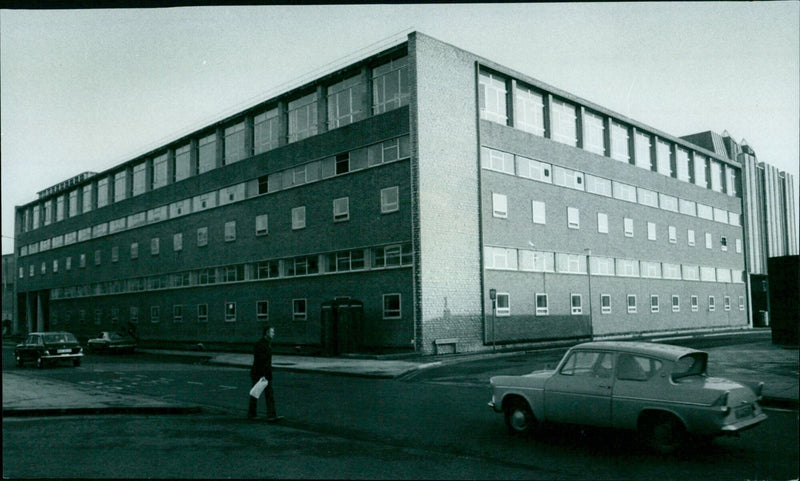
x,y
76,411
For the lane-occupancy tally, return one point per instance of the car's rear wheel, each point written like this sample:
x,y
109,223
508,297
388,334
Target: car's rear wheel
x,y
664,433
519,417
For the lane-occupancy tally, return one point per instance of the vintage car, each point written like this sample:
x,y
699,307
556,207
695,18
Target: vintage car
x,y
663,391
110,341
48,347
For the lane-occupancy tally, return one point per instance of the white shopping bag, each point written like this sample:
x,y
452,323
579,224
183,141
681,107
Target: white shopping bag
x,y
259,387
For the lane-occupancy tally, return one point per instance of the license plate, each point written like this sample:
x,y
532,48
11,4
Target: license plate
x,y
64,351
744,411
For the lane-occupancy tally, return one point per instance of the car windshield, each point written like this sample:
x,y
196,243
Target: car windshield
x,y
114,336
56,337
690,365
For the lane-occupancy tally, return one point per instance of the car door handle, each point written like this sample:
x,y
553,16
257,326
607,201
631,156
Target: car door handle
x,y
603,386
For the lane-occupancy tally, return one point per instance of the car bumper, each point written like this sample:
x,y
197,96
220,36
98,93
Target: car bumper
x,y
51,357
743,425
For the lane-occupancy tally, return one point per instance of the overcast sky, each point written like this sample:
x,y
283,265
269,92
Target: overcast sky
x,y
84,90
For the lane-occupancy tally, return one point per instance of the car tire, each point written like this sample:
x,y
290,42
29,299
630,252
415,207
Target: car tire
x,y
76,362
664,433
519,417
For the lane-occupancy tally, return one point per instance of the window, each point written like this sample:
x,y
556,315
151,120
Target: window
x,y
598,185
602,266
705,212
177,242
671,271
44,268
230,231
154,246
589,365
390,200
492,97
533,169
207,153
134,314
230,311
723,241
687,207
708,241
673,234
637,368
631,303
651,270
664,165
694,303
159,171
563,127
712,303
135,250
708,274
738,246
726,302
528,110
345,102
568,178
120,191
602,223
262,225
202,236
654,303
204,201
571,263
627,225
690,237
299,310
68,263
302,114
699,170
183,165
593,133
690,273
536,261
139,178
539,212
627,268
177,313
576,304
605,303
624,192
100,184
647,197
668,202
741,303
265,131
651,231
497,160
341,209
87,204
641,145
541,305
500,258
716,176
155,314
721,215
202,313
683,164
619,142
499,205
390,88
299,217
573,218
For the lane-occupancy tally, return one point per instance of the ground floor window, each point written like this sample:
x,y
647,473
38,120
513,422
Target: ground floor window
x,y
230,312
299,312
391,306
503,305
542,308
262,310
605,303
202,313
155,313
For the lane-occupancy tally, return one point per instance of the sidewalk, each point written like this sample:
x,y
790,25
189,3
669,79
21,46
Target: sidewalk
x,y
749,363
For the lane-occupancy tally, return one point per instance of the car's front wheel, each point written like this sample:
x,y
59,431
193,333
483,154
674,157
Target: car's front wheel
x,y
519,417
664,433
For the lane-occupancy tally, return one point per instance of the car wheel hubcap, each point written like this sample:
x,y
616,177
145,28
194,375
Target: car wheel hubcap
x,y
519,420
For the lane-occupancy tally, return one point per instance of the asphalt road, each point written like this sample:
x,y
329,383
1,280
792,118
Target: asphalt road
x,y
432,425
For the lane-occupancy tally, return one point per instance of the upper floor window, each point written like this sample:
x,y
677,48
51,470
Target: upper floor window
x,y
533,169
497,160
594,133
716,176
492,97
139,177
265,131
345,102
573,218
87,202
499,205
207,153
390,88
183,164
299,217
60,201
234,143
528,110
663,158
641,144
262,224
341,209
563,127
390,200
302,115
230,231
73,207
683,165
619,142
700,171
160,171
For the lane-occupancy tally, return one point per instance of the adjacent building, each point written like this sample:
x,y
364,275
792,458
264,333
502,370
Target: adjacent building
x,y
421,198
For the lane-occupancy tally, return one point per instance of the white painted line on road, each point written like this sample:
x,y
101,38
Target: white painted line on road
x,y
194,382
228,387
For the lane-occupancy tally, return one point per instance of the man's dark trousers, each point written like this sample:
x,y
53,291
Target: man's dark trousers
x,y
268,398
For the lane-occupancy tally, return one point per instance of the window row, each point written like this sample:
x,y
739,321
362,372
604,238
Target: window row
x,y
382,257
539,216
509,259
526,168
341,164
576,304
346,101
230,312
541,113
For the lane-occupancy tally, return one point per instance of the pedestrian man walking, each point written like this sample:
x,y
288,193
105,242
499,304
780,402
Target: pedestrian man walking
x,y
262,367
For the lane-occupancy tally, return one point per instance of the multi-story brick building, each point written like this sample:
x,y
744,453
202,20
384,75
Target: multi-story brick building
x,y
411,186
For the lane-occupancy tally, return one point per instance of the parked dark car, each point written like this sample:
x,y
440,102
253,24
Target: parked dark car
x,y
111,341
48,347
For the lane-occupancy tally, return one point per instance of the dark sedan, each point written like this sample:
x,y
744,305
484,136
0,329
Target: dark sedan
x,y
48,347
110,341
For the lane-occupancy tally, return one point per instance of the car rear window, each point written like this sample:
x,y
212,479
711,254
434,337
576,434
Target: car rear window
x,y
690,365
59,337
